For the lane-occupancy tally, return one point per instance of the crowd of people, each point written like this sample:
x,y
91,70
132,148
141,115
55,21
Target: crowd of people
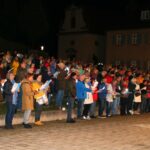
x,y
27,83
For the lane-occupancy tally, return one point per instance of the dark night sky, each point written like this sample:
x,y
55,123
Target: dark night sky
x,y
36,22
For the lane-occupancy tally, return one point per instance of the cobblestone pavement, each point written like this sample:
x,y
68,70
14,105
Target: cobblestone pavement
x,y
116,133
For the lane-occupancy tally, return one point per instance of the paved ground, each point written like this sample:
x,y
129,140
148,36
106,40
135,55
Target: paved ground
x,y
116,133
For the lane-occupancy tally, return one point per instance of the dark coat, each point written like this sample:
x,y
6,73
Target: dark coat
x,y
131,87
8,95
61,81
71,88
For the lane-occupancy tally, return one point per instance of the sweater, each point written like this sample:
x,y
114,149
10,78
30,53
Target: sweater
x,y
81,90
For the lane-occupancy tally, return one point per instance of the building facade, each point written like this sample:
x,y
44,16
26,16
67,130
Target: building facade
x,y
128,46
75,39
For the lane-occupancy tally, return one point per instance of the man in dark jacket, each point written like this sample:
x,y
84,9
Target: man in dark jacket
x,y
8,96
61,85
71,94
102,97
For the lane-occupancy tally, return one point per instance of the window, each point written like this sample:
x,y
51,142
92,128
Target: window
x,y
146,38
73,22
118,39
96,43
136,38
72,42
145,15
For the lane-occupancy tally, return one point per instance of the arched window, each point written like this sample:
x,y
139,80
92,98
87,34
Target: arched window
x,y
73,22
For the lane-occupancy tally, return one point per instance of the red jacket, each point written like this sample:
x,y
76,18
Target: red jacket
x,y
95,95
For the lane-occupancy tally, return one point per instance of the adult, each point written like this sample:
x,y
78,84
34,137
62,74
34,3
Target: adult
x,y
71,95
27,99
61,85
8,97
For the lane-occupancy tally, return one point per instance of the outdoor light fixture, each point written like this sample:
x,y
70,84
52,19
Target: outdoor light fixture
x,y
42,48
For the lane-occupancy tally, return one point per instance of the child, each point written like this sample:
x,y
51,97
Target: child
x,y
88,101
109,99
95,97
40,96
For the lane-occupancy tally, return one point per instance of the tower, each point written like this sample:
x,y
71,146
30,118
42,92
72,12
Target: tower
x,y
75,39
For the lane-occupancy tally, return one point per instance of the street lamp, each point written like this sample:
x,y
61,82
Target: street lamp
x,y
42,48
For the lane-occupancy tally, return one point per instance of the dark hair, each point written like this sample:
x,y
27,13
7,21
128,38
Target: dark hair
x,y
28,75
73,74
36,76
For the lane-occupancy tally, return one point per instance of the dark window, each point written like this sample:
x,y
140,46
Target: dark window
x,y
129,39
73,22
146,38
96,43
72,42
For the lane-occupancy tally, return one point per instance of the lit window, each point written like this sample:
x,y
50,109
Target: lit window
x,y
145,15
118,39
134,38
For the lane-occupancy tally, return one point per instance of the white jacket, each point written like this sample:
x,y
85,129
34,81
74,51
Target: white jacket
x,y
109,97
89,97
137,99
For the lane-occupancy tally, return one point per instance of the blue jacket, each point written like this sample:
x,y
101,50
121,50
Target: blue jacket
x,y
103,92
81,90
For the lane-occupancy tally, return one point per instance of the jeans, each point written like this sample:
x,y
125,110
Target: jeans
x,y
143,103
115,106
108,108
70,101
80,106
10,113
27,114
123,105
38,111
102,106
148,105
130,103
49,99
59,98
92,110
